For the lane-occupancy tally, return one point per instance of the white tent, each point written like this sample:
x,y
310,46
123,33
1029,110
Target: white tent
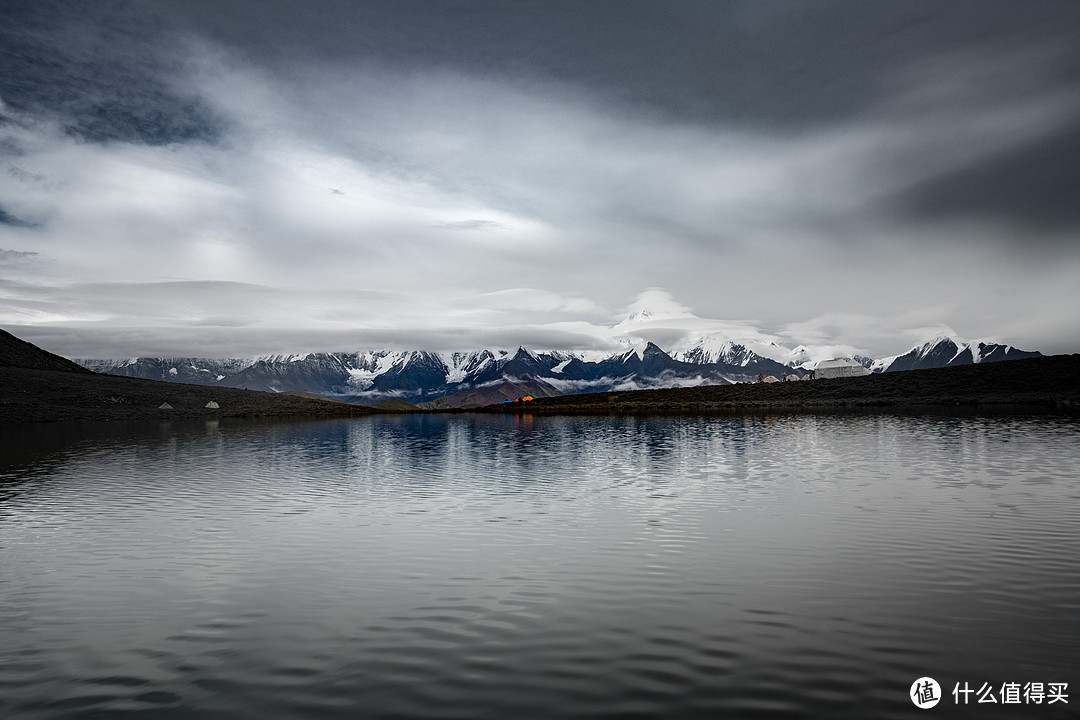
x,y
165,406
212,405
838,368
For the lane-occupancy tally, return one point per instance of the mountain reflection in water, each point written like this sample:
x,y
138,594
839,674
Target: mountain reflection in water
x,y
511,566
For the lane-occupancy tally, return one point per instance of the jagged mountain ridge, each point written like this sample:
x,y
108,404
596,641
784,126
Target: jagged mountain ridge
x,y
946,351
421,376
469,377
712,349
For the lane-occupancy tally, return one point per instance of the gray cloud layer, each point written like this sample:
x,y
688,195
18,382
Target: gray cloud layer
x,y
232,177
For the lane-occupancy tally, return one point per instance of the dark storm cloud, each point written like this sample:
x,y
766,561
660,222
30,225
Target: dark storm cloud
x,y
779,67
783,64
115,70
106,71
992,139
7,218
1037,184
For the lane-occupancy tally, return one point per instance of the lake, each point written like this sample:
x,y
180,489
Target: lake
x,y
798,566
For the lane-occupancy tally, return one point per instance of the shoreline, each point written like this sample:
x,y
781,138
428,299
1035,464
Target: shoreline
x,y
32,395
1007,387
1047,383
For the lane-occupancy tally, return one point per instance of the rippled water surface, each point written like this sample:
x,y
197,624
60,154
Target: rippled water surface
x,y
503,567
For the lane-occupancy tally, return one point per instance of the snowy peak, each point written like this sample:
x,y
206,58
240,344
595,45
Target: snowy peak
x,y
524,353
948,351
461,365
706,348
645,318
636,318
367,366
643,352
651,306
995,352
656,314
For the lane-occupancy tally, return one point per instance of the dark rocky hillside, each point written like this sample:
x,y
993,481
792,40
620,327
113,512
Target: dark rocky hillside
x,y
16,353
28,395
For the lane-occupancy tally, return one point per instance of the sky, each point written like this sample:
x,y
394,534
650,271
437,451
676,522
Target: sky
x,y
211,178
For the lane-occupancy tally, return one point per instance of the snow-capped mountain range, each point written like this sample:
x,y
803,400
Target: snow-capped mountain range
x,y
446,379
419,376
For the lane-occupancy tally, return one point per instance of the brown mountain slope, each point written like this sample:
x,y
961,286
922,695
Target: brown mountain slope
x,y
478,397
